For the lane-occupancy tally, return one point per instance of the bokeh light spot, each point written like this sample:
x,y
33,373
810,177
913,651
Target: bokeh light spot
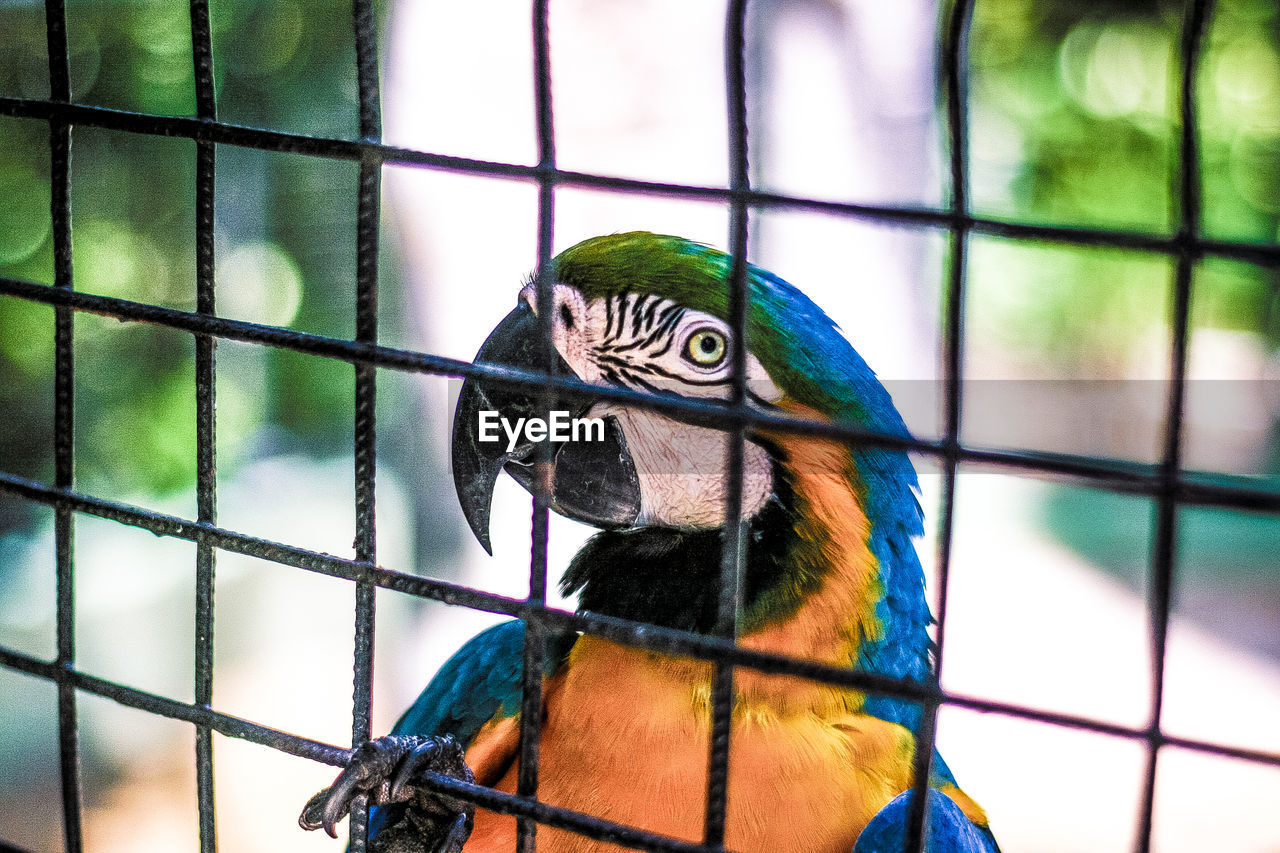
x,y
1255,170
259,282
86,57
24,215
1116,70
164,29
114,260
1247,81
270,45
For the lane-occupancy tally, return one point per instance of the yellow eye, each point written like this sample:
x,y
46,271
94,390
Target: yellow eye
x,y
705,347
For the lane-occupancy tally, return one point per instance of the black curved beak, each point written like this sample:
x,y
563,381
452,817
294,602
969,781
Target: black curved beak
x,y
495,428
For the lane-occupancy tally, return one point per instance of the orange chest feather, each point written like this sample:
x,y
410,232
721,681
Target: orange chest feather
x,y
626,733
799,780
832,542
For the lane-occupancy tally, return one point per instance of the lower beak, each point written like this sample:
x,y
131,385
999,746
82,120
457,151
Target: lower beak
x,y
495,428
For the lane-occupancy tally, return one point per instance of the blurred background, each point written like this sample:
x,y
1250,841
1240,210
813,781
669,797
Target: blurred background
x,y
1072,121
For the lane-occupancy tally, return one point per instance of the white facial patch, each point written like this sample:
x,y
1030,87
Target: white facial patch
x,y
682,469
571,330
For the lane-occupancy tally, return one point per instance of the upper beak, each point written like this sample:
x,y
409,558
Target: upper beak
x,y
593,481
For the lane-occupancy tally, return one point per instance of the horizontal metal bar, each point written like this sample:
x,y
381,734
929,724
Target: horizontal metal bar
x,y
1266,254
1114,475
324,753
574,821
624,631
162,524
131,697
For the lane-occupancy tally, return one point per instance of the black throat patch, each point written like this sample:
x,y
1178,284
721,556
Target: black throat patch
x,y
670,577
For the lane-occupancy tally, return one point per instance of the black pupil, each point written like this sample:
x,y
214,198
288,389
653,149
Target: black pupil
x,y
707,344
566,315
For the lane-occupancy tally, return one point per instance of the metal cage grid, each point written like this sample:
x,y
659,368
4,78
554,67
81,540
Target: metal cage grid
x,y
1166,481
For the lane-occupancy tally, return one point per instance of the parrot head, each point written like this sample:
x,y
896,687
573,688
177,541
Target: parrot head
x,y
649,312
637,311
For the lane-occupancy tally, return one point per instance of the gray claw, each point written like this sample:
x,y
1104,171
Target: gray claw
x,y
385,771
442,755
457,836
328,807
313,814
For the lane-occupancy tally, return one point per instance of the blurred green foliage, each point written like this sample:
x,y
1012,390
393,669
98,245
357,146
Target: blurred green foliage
x,y
1075,121
285,246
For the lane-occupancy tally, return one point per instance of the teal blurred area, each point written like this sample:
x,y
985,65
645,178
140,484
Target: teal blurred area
x,y
285,255
1073,120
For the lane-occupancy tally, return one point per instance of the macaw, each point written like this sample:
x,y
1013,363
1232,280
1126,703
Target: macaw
x,y
830,574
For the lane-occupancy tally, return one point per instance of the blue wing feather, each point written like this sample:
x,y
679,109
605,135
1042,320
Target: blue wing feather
x,y
949,830
471,688
481,681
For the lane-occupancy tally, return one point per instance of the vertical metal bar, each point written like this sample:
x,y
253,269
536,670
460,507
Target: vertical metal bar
x,y
64,424
206,425
759,28
534,635
369,201
1160,590
954,78
729,604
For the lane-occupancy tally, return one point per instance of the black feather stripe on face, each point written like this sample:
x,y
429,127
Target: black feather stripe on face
x,y
663,332
608,318
639,329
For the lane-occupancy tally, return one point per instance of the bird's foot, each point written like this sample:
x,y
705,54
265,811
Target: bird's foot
x,y
387,771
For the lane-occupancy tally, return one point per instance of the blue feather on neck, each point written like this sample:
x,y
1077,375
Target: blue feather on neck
x,y
819,368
